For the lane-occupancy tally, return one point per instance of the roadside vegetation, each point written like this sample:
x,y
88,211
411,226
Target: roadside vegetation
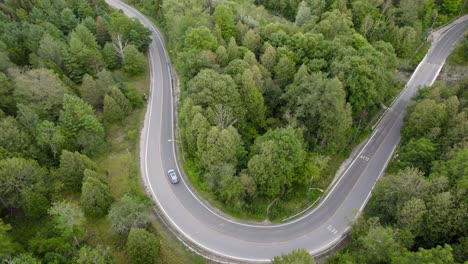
x,y
274,94
73,75
418,212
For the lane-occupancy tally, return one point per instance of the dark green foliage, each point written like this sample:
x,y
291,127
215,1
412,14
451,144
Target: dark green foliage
x,y
320,105
142,246
72,167
133,60
110,57
96,197
116,106
7,246
130,30
135,98
18,175
13,138
47,48
41,90
277,159
35,204
418,153
423,213
82,128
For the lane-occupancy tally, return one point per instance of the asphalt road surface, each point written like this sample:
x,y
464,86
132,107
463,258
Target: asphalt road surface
x,y
317,230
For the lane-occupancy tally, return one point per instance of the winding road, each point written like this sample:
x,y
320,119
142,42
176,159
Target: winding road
x,y
317,230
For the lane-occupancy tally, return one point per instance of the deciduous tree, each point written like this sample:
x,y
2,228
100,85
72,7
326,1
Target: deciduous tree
x,y
17,175
127,213
142,246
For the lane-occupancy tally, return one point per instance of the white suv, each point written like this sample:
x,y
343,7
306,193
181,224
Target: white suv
x,y
173,176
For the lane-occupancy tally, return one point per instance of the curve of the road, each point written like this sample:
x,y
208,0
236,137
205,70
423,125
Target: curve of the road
x,y
317,230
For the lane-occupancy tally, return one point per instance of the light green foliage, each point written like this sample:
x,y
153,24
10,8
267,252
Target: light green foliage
x,y
121,100
17,175
142,246
411,215
80,124
67,217
130,30
395,190
365,78
379,244
444,218
83,54
320,105
13,138
451,7
116,105
455,169
427,119
234,191
277,159
210,89
112,110
222,57
404,40
25,258
50,137
297,256
135,98
224,19
127,213
268,58
284,71
96,197
110,57
68,20
252,40
195,125
200,38
72,166
334,23
220,154
41,90
253,101
233,49
88,91
7,247
303,14
133,60
98,255
51,50
437,255
418,153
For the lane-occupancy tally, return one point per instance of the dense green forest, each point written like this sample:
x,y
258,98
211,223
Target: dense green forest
x,y
419,212
66,79
274,94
